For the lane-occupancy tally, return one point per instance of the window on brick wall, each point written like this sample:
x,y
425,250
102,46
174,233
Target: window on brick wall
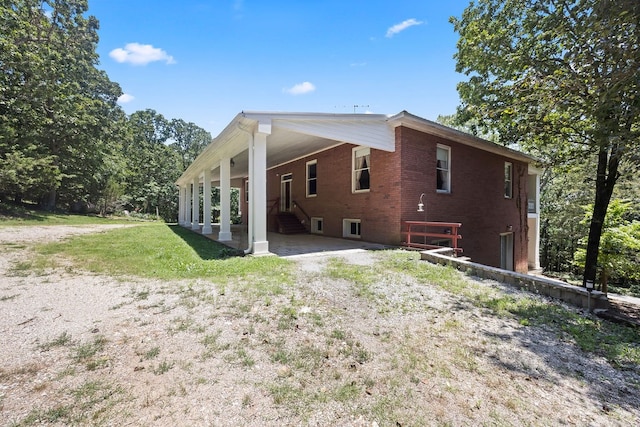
x,y
508,180
443,169
361,162
351,228
312,178
317,225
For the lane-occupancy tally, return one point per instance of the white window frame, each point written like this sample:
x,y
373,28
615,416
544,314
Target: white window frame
x,y
447,182
508,180
308,180
365,151
346,228
315,221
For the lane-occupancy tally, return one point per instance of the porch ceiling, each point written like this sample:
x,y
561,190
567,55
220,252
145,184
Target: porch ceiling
x,y
292,136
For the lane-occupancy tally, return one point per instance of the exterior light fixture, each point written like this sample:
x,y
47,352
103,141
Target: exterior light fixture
x,y
509,227
232,163
421,204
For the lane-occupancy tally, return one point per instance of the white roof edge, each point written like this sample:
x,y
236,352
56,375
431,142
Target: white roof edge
x,y
415,122
275,115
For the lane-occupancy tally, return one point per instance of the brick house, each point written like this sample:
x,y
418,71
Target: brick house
x,y
362,176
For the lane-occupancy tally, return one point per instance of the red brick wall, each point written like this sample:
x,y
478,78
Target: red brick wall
x,y
476,198
397,180
378,209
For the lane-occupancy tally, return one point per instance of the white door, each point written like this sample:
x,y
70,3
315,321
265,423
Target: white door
x,y
285,192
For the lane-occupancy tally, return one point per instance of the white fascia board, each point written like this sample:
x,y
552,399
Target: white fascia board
x,y
228,143
418,123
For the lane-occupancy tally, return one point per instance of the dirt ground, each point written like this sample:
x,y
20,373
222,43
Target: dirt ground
x,y
84,349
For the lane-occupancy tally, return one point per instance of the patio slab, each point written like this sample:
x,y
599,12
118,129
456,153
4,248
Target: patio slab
x,y
296,245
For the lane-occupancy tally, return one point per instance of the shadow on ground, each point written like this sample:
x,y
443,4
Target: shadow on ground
x,y
204,247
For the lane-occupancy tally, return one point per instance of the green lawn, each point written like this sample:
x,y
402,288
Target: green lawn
x,y
162,251
11,215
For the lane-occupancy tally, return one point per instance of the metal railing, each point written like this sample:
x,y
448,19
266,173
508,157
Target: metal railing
x,y
432,235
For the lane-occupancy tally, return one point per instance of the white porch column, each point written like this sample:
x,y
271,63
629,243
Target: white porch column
x,y
180,206
533,218
225,200
187,206
206,202
195,218
536,250
259,185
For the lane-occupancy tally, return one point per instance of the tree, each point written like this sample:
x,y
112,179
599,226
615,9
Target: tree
x,y
56,107
152,165
620,245
188,140
561,80
467,125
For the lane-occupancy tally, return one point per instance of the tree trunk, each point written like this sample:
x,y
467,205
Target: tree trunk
x,y
605,181
51,200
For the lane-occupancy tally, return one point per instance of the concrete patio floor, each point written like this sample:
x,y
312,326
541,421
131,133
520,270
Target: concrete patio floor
x,y
296,245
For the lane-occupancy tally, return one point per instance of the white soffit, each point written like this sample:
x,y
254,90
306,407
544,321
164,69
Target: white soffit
x,y
373,131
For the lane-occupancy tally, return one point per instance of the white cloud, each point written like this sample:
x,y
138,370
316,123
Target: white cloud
x,y
402,26
140,54
125,97
300,89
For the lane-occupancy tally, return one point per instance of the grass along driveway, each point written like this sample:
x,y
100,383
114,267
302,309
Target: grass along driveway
x,y
370,339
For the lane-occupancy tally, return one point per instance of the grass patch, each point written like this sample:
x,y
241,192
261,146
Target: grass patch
x,y
166,252
85,353
90,404
60,341
24,216
36,266
163,367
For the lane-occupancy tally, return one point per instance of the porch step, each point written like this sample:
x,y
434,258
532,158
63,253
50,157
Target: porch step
x,y
289,223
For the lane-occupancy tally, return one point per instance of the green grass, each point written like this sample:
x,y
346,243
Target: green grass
x,y
165,252
26,217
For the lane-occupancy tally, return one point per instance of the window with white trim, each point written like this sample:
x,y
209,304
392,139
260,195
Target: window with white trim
x,y
351,228
317,225
312,178
443,169
508,180
361,164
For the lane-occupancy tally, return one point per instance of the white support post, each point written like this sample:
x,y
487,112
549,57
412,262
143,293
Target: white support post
x,y
187,206
536,255
206,202
195,210
225,200
259,186
180,206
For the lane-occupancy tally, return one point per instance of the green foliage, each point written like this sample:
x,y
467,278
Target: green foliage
x,y
64,141
559,79
57,109
619,256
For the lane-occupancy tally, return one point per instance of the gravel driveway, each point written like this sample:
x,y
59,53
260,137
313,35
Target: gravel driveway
x,y
84,349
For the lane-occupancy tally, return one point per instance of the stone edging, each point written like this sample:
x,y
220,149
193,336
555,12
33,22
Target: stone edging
x,y
573,295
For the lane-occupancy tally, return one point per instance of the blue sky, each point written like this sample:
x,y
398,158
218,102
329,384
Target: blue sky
x,y
204,61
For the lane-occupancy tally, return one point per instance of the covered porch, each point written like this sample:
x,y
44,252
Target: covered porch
x,y
246,149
